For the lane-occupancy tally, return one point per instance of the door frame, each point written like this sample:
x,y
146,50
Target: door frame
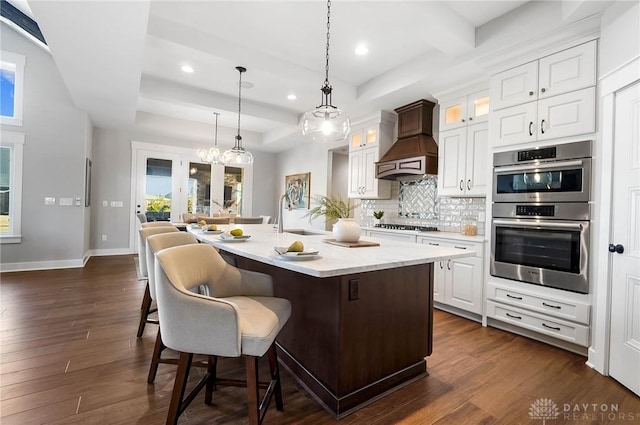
x,y
610,84
186,155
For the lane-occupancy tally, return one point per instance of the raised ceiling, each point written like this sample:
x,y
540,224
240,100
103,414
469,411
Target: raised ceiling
x,y
121,60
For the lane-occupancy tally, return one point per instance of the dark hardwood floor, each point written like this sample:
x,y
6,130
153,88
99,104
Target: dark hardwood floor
x,y
69,355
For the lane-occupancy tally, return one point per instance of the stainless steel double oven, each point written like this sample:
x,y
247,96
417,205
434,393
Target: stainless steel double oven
x,y
541,215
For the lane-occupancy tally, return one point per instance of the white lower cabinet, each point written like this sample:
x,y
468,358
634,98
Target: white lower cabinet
x,y
458,283
541,310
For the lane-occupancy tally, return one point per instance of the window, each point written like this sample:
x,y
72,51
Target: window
x,y
11,88
10,186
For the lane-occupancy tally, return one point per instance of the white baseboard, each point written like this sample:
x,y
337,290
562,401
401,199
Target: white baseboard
x,y
41,265
104,252
62,264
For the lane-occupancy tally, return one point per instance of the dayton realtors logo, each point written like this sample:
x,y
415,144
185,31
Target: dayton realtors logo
x,y
545,408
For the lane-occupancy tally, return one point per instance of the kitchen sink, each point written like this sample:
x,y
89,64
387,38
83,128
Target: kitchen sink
x,y
305,232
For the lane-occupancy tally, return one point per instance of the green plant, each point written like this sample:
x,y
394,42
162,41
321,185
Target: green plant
x,y
378,214
330,207
158,204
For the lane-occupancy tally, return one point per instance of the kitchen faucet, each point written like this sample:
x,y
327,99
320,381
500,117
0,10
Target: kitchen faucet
x,y
279,218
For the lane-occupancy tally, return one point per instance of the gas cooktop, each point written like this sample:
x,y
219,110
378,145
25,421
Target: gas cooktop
x,y
407,227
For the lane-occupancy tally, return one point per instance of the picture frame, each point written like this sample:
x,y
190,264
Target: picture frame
x,y
87,183
298,188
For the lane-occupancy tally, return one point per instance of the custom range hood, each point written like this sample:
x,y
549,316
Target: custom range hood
x,y
415,152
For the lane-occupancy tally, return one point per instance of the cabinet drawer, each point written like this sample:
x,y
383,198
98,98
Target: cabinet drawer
x,y
563,309
391,236
577,334
452,244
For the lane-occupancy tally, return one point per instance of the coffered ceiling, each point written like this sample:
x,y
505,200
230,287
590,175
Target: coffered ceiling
x,y
121,59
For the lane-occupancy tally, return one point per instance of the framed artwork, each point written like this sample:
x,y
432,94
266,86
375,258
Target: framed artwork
x,y
298,186
87,183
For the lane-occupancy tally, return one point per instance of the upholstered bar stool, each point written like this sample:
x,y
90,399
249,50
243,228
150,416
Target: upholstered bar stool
x,y
145,308
156,224
248,220
157,243
240,318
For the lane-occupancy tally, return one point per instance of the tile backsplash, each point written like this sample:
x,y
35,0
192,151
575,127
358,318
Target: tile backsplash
x,y
416,202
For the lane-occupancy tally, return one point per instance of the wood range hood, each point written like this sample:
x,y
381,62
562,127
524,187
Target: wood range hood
x,y
415,153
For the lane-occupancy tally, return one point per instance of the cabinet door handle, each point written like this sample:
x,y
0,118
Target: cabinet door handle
x,y
461,184
448,264
514,297
470,118
530,128
441,266
434,244
469,184
543,90
460,247
530,93
513,316
551,327
551,306
542,126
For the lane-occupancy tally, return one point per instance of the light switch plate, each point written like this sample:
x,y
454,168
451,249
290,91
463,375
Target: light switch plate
x,y
66,201
49,200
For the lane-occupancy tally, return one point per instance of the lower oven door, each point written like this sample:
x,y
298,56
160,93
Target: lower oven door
x,y
542,252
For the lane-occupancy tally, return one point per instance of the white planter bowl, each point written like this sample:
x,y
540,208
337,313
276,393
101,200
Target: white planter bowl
x,y
347,230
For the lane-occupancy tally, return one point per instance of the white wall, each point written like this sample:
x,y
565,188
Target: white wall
x,y
56,140
307,157
112,182
620,35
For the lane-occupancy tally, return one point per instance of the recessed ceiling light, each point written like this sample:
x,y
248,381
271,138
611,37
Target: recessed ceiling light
x,y
292,97
186,68
361,50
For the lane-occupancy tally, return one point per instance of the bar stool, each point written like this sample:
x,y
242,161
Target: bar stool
x,y
155,224
241,318
145,308
248,220
156,243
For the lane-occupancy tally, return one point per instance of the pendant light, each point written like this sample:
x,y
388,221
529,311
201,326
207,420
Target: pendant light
x,y
326,122
213,155
238,155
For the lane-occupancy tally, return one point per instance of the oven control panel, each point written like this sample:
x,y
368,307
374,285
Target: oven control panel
x,y
530,155
535,210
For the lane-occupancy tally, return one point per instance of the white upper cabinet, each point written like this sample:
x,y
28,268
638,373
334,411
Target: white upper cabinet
x,y
368,141
514,86
546,99
463,161
464,110
569,70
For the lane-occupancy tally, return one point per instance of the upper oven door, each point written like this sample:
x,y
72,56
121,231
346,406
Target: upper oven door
x,y
558,181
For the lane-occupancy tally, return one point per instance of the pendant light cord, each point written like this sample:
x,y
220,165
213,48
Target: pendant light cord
x,y
326,77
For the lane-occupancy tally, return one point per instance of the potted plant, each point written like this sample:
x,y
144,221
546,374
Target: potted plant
x,y
378,216
346,229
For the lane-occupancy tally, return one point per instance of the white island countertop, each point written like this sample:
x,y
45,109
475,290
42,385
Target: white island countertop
x,y
332,260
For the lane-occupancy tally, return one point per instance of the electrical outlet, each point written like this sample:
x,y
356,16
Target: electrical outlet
x,y
104,237
353,289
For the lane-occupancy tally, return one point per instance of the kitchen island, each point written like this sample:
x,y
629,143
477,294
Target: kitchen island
x,y
361,322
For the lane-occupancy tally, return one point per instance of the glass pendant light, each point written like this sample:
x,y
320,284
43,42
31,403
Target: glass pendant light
x,y
326,122
238,155
213,155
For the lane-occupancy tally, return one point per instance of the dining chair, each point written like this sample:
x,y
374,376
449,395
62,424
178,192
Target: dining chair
x,y
240,318
142,217
266,219
145,308
248,220
156,243
155,224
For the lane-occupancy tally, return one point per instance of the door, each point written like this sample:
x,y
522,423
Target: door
x,y
624,356
514,86
158,186
569,70
465,284
355,166
451,162
514,125
567,115
477,163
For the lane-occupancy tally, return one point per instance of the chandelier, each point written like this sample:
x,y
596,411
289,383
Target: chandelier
x,y
326,122
238,155
213,155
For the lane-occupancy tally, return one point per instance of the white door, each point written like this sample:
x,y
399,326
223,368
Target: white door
x,y
451,151
514,86
514,125
569,70
624,356
355,167
477,162
567,114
